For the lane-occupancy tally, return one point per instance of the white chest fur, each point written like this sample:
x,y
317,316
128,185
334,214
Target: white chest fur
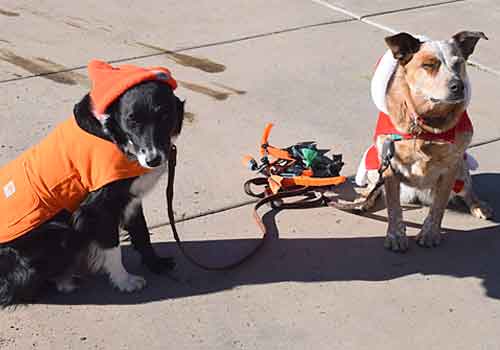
x,y
141,186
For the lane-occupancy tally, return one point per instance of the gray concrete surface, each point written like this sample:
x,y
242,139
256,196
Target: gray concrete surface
x,y
326,283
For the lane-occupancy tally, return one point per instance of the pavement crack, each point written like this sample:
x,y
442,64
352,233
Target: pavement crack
x,y
409,8
482,67
185,49
484,142
206,213
366,19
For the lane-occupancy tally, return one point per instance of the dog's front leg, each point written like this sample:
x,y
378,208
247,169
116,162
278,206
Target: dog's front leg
x,y
395,239
98,219
135,223
430,234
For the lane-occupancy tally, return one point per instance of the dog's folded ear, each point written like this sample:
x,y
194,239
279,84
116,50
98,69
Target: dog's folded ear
x,y
83,108
180,115
466,41
403,46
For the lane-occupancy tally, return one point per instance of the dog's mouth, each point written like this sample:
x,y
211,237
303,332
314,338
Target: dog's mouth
x,y
435,122
452,100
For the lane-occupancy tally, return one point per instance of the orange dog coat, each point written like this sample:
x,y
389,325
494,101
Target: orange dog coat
x,y
60,171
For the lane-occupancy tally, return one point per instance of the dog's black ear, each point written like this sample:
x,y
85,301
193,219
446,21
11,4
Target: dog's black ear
x,y
180,115
83,108
466,41
403,46
85,117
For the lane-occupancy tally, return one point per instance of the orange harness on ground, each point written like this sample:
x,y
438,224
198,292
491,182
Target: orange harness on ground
x,y
300,170
286,169
63,168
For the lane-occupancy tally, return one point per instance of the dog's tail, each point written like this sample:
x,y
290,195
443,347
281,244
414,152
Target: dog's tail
x,y
18,279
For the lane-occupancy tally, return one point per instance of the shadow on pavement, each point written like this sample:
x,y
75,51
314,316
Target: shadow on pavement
x,y
464,253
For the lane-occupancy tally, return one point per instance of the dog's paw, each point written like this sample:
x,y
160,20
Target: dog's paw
x,y
429,238
482,211
66,285
430,235
159,265
397,242
129,283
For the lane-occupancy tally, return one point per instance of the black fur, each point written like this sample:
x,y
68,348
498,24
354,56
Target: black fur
x,y
141,122
467,40
403,46
28,263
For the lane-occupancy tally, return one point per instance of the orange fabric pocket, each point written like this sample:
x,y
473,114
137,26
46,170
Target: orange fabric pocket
x,y
69,193
17,197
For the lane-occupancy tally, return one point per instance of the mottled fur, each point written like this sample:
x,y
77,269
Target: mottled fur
x,y
433,74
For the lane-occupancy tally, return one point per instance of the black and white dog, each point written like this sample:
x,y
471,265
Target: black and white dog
x,y
143,123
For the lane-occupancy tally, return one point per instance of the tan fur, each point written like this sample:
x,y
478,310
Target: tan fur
x,y
426,166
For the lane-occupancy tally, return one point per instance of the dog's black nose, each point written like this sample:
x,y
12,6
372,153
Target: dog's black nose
x,y
457,86
154,161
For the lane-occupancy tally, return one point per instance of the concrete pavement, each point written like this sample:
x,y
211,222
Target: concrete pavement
x,y
305,65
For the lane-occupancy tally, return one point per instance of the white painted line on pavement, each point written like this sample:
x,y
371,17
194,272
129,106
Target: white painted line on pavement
x,y
337,8
379,26
481,66
372,23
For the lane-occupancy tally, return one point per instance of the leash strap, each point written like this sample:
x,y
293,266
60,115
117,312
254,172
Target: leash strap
x,y
172,161
312,198
388,152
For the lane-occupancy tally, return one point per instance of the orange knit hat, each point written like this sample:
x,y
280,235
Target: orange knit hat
x,y
109,82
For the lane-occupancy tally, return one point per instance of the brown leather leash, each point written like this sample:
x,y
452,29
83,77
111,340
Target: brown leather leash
x,y
172,161
388,151
312,198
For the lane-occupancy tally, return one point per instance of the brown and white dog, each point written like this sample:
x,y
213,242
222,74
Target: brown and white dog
x,y
425,97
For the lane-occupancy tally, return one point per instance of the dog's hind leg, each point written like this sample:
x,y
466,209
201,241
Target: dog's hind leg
x,y
105,255
19,281
66,283
478,208
109,260
30,261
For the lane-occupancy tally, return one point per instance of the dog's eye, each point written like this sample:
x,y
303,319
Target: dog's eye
x,y
430,65
458,64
